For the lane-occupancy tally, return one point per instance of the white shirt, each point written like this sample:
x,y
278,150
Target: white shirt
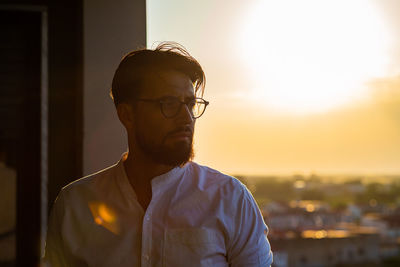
x,y
197,217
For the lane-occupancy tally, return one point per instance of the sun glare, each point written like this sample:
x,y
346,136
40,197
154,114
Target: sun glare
x,y
312,56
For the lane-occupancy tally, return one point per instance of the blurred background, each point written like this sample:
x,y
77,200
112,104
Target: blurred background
x,y
304,109
295,86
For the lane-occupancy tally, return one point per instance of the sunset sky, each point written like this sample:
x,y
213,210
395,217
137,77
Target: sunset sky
x,y
295,86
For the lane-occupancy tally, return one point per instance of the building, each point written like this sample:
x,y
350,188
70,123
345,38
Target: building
x,y
325,248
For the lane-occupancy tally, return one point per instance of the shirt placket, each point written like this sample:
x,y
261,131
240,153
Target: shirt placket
x,y
158,187
147,236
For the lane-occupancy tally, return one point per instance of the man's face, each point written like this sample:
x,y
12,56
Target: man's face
x,y
166,141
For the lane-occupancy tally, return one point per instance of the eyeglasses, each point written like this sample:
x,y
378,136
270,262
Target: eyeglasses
x,y
170,105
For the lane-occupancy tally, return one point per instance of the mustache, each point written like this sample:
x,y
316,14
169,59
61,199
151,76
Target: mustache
x,y
180,129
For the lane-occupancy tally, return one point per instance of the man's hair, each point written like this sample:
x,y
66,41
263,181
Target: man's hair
x,y
140,65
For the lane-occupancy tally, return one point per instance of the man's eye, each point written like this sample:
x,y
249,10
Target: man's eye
x,y
169,103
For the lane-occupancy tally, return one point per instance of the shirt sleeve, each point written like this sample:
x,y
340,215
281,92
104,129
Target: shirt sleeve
x,y
249,246
55,254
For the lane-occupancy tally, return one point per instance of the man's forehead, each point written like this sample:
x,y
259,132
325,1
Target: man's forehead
x,y
168,82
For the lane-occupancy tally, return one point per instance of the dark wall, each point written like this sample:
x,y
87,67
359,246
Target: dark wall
x,y
65,88
20,94
65,91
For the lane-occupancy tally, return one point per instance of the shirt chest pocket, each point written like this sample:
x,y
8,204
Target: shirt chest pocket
x,y
189,247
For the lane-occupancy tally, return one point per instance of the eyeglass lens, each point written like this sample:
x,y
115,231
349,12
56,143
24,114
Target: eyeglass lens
x,y
171,107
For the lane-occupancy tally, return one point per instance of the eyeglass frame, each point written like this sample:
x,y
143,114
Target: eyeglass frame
x,y
159,101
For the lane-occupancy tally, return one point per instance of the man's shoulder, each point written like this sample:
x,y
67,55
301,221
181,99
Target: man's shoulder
x,y
199,169
92,181
212,176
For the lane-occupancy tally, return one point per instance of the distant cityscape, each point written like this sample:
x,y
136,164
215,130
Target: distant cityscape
x,y
330,221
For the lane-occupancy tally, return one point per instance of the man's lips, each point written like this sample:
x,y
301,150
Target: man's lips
x,y
181,134
185,133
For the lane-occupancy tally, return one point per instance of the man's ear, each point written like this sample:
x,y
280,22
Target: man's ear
x,y
126,115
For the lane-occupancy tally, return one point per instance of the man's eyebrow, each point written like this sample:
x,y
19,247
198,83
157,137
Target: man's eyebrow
x,y
166,96
191,97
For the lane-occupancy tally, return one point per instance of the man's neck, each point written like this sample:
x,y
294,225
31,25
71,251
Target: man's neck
x,y
140,171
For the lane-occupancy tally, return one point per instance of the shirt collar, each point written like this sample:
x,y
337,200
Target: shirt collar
x,y
158,183
163,181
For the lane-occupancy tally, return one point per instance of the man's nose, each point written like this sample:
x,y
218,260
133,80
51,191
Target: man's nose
x,y
185,115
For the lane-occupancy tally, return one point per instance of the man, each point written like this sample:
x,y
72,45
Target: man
x,y
156,207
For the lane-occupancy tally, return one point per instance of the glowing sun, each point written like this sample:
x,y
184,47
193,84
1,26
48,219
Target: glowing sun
x,y
311,55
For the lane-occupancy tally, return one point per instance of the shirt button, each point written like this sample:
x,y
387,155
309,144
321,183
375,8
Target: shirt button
x,y
146,257
147,218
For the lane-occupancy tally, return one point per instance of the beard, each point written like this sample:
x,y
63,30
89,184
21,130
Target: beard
x,y
178,154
